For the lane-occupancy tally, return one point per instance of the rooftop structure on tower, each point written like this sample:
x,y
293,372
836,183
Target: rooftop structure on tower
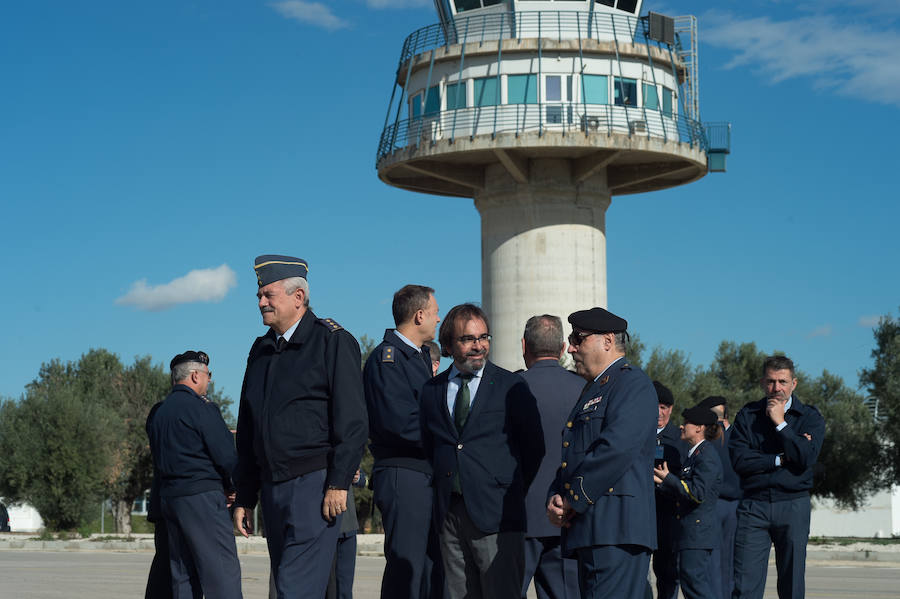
x,y
542,111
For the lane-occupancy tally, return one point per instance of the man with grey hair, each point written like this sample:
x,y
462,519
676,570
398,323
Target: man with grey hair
x,y
556,390
193,459
301,429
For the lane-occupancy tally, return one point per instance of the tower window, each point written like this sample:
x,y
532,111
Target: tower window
x,y
625,91
487,92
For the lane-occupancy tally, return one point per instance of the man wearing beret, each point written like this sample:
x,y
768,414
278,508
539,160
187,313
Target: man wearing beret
x,y
670,449
301,429
774,445
603,494
193,458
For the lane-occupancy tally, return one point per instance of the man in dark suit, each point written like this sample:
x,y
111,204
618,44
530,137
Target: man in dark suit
x,y
556,390
726,505
670,449
479,425
603,493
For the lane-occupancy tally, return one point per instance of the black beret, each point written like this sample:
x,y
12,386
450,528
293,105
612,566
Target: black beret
x,y
598,320
713,401
189,356
699,415
663,394
272,267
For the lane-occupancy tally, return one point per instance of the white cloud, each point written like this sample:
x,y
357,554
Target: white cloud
x,y
313,13
852,58
201,285
398,3
869,321
822,331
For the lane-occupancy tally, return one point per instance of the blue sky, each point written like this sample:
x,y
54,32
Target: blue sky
x,y
148,151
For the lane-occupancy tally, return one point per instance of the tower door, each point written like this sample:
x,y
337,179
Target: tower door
x,y
558,95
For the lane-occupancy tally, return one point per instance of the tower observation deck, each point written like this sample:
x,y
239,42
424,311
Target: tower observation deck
x,y
541,111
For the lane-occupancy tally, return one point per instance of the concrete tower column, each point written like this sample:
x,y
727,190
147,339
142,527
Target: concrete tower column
x,y
543,248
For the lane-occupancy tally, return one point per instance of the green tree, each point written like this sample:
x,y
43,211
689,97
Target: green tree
x,y
54,447
364,498
883,384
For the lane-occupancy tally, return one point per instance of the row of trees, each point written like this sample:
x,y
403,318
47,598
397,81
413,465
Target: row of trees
x,y
77,435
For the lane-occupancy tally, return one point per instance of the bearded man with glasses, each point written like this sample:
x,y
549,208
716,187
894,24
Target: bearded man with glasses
x,y
481,432
603,494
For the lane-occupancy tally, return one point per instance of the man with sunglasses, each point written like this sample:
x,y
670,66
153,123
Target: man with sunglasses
x,y
193,460
481,432
603,493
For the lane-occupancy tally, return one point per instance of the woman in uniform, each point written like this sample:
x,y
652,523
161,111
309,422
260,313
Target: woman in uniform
x,y
695,490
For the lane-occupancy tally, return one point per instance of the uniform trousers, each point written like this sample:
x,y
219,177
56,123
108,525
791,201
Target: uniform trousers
x,y
555,577
201,546
340,585
301,541
665,559
412,555
613,571
726,511
696,567
159,581
760,524
479,565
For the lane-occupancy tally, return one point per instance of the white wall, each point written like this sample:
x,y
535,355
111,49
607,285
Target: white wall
x,y
880,517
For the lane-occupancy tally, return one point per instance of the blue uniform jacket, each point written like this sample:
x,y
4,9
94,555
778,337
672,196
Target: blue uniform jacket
x,y
393,378
694,491
606,471
193,451
754,444
496,455
556,391
302,409
731,482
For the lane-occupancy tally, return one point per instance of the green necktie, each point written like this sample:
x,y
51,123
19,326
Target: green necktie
x,y
462,403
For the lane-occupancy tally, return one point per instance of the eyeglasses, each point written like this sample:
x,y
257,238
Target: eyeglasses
x,y
576,338
470,339
208,373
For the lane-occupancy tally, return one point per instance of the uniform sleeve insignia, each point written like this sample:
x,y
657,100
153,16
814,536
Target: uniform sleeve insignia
x,y
330,324
592,402
387,354
604,380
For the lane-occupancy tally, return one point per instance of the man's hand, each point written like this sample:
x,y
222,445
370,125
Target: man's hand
x,y
243,521
775,410
229,499
560,512
660,472
334,504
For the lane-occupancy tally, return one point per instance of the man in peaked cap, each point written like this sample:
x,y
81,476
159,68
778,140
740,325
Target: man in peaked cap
x,y
193,458
302,427
607,462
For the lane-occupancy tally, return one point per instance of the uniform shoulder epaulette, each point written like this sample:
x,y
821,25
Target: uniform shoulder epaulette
x,y
329,324
387,354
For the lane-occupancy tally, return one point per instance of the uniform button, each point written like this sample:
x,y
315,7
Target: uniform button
x,y
569,424
698,522
568,486
564,464
587,418
459,446
678,517
610,489
565,443
576,498
571,492
449,474
677,504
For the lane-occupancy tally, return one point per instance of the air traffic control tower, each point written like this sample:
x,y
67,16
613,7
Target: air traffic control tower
x,y
542,111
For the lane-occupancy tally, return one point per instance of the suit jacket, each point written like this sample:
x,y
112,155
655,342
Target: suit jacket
x,y
556,391
606,471
695,491
496,454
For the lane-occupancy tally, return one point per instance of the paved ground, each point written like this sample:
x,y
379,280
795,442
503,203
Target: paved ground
x,y
114,575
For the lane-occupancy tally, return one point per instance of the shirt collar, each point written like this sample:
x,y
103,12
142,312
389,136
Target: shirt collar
x,y
694,448
290,332
455,372
607,368
406,341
